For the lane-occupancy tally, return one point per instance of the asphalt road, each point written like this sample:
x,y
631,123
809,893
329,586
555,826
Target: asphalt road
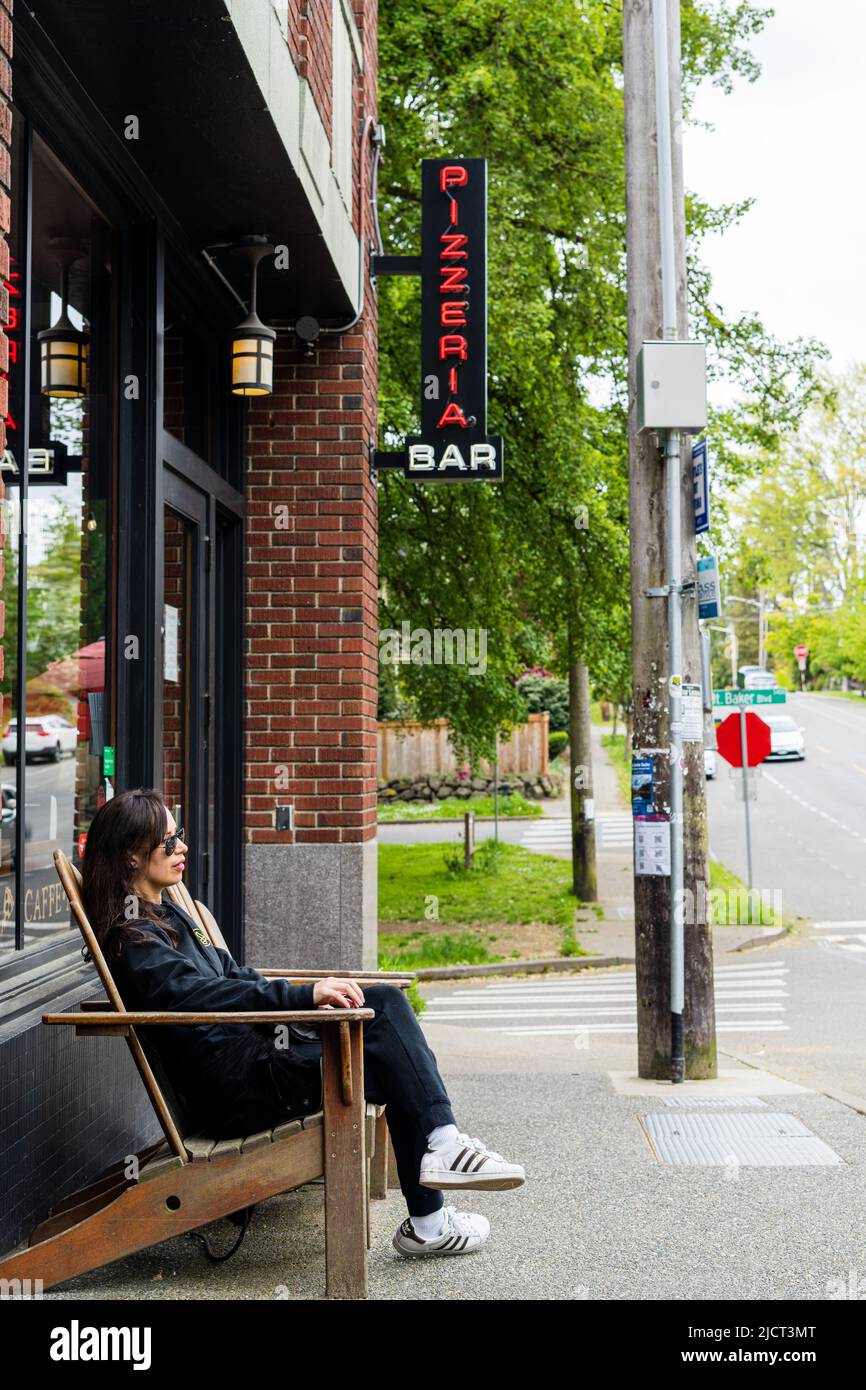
x,y
794,1009
809,822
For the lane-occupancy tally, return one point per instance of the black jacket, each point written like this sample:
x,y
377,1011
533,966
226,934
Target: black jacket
x,y
222,1071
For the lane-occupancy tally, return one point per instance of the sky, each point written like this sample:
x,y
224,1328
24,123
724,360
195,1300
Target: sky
x,y
795,140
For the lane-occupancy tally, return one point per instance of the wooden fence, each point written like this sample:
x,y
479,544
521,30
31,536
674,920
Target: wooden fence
x,y
410,749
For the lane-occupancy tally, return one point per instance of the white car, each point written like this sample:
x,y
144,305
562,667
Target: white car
x,y
756,678
786,736
710,763
46,736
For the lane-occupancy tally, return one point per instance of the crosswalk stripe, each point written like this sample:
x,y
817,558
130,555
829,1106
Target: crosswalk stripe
x,y
849,925
747,997
614,829
765,1025
585,1013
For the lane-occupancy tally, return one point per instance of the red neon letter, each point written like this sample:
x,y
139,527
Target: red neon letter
x,y
453,313
452,278
452,415
452,381
453,176
453,345
454,244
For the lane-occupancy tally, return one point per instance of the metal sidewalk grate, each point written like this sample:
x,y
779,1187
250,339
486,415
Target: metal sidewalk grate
x,y
716,1102
755,1141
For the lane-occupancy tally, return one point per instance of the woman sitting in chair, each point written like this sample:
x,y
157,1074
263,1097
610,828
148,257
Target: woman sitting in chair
x,y
235,1080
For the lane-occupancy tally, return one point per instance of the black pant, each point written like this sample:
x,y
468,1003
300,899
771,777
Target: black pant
x,y
400,1072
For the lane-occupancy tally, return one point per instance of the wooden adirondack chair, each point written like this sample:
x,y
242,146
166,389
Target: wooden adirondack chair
x,y
187,1180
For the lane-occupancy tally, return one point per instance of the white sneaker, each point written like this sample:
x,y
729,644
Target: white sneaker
x,y
469,1163
464,1231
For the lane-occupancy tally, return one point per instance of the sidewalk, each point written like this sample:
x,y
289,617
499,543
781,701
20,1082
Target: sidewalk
x,y
600,1217
614,934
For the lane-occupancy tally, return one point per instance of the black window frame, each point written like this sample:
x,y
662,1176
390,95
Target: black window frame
x,y
147,235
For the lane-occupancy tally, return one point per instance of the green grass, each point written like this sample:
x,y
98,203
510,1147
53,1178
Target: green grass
x,y
520,887
419,950
514,805
838,694
737,909
615,745
386,962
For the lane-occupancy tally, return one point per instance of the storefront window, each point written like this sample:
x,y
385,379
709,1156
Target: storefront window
x,y
65,649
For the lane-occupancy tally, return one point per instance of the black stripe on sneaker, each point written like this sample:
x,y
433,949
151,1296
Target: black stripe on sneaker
x,y
409,1233
458,1158
483,1159
470,1160
465,1240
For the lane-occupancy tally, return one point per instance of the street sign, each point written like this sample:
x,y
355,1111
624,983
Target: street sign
x,y
709,593
744,698
730,740
801,651
745,787
701,483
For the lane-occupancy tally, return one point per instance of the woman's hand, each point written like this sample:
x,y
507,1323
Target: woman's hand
x,y
334,993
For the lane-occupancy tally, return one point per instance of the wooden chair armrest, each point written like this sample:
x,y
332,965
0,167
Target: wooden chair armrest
x,y
142,1017
306,977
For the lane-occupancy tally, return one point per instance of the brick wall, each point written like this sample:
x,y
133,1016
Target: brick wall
x,y
311,627
310,47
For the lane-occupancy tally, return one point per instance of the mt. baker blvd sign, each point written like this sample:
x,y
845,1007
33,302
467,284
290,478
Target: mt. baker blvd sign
x,y
453,444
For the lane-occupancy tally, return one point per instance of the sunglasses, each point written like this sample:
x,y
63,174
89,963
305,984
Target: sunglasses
x,y
171,841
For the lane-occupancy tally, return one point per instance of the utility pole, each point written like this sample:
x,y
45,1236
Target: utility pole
x,y
583,871
654,655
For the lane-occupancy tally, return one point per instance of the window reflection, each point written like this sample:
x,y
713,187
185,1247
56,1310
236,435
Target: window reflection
x,y
65,648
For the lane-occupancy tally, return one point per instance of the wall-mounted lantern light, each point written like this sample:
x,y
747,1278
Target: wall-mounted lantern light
x,y
252,340
63,347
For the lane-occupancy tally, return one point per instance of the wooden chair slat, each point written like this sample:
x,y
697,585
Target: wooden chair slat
x,y
284,1131
199,1150
256,1141
226,1148
209,922
157,1166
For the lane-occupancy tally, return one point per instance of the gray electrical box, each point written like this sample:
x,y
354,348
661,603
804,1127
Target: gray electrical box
x,y
672,386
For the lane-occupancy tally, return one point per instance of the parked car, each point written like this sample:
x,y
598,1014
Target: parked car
x,y
46,736
787,738
756,678
710,763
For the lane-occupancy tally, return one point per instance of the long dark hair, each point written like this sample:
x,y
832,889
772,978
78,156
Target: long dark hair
x,y
131,823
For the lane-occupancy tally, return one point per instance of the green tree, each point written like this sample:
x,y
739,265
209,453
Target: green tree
x,y
541,561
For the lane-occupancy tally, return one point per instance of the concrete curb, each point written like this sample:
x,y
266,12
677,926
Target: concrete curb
x,y
519,967
758,941
563,963
457,820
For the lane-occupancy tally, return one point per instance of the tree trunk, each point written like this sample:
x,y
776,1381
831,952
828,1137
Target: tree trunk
x,y
648,526
582,824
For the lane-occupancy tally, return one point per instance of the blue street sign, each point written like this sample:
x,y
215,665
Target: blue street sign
x,y
701,483
709,594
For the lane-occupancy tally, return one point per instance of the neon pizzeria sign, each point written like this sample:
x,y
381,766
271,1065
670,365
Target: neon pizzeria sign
x,y
453,444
